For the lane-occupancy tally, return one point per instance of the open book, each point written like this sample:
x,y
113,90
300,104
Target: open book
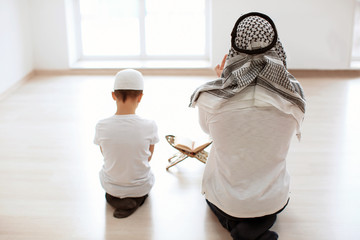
x,y
189,145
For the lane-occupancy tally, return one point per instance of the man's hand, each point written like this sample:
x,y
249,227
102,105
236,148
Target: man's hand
x,y
219,68
151,149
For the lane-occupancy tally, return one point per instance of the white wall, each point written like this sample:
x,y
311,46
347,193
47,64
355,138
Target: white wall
x,y
16,52
315,34
49,34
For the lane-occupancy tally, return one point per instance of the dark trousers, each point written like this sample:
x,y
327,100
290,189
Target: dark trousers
x,y
124,207
247,228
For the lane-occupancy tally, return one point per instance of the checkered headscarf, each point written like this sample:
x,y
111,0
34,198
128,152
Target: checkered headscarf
x,y
253,33
256,58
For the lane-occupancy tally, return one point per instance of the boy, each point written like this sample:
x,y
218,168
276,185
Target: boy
x,y
127,144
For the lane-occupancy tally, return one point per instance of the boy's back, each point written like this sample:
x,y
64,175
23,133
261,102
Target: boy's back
x,y
125,141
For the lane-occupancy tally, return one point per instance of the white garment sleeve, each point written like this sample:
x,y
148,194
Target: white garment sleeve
x,y
203,120
96,138
155,138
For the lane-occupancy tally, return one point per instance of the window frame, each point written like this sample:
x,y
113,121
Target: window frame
x,y
142,56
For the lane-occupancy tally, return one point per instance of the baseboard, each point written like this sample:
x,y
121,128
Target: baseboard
x,y
194,72
307,73
145,71
16,85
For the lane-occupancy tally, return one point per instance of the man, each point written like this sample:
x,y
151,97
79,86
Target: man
x,y
251,112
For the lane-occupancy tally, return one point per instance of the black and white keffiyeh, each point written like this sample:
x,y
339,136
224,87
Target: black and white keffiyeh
x,y
256,58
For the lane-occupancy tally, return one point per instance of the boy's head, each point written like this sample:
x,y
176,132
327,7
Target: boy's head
x,y
129,83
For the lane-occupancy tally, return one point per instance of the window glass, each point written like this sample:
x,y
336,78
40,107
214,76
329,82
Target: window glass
x,y
146,28
109,28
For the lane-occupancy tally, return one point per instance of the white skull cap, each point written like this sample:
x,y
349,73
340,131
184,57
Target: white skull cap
x,y
129,79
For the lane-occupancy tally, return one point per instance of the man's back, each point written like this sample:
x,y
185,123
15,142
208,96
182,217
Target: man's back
x,y
246,174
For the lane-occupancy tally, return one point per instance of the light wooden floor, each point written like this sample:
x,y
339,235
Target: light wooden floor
x,y
49,187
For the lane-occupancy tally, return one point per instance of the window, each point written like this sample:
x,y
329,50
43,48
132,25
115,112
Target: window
x,y
143,29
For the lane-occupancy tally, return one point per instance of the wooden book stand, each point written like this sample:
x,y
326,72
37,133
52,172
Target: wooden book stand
x,y
200,155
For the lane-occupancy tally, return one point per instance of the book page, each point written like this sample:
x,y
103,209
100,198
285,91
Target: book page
x,y
198,146
183,143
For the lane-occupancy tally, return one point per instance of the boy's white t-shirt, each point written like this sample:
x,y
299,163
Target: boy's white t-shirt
x,y
125,142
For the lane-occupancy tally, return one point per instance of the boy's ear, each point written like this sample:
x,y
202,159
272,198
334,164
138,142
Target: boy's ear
x,y
140,97
113,95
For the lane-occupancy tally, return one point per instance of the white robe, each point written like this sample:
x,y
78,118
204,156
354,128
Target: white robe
x,y
245,175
